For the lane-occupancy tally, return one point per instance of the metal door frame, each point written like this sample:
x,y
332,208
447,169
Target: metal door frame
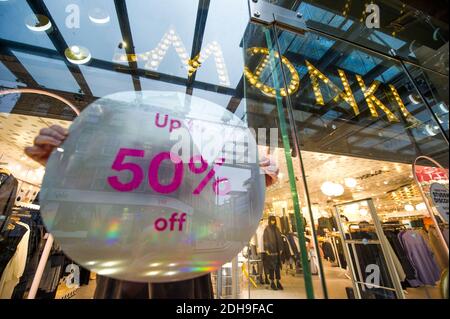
x,y
382,241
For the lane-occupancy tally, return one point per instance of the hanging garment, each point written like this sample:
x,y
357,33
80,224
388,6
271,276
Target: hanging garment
x,y
314,262
8,191
286,253
421,257
34,248
259,237
54,270
367,256
410,272
14,269
340,252
439,251
8,245
285,226
445,234
296,241
397,264
324,223
293,244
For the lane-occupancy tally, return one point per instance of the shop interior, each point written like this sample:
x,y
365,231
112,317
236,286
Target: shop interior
x,y
332,180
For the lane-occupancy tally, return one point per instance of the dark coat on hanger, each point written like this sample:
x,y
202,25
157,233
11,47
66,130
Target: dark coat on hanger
x,y
8,190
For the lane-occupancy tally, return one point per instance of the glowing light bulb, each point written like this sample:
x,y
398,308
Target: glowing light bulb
x,y
350,182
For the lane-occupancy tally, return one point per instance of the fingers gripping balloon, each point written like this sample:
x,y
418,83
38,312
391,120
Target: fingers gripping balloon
x,y
153,187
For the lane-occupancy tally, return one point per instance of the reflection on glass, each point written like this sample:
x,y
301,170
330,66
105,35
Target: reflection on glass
x,y
104,82
369,96
167,55
84,24
60,78
224,67
15,25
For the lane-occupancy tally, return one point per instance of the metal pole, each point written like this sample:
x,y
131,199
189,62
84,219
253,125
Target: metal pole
x,y
347,253
428,106
234,277
41,266
386,252
427,203
219,283
290,167
358,267
295,139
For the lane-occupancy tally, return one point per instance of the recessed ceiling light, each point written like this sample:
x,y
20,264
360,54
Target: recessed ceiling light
x,y
443,107
430,130
350,182
38,23
77,54
421,206
99,16
414,98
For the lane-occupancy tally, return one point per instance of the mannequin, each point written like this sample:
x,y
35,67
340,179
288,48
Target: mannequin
x,y
273,246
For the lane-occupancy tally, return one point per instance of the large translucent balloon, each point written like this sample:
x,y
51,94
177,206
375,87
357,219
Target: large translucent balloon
x,y
153,187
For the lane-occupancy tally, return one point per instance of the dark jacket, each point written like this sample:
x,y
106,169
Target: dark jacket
x,y
273,242
8,190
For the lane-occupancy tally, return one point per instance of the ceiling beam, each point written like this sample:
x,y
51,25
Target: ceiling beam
x,y
39,7
199,32
116,67
127,38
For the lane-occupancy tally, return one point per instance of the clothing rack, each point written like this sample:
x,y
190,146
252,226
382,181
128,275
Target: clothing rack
x,y
16,212
399,218
335,249
394,226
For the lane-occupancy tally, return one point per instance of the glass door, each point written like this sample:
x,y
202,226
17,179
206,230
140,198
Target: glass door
x,y
356,122
280,261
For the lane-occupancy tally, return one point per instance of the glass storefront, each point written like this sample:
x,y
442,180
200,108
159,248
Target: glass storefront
x,y
351,124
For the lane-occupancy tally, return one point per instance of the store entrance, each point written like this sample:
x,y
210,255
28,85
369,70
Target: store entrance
x,y
353,133
398,208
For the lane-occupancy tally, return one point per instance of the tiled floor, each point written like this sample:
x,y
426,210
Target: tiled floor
x,y
336,280
86,292
294,288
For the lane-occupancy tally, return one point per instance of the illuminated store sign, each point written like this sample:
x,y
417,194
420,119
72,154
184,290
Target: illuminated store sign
x,y
154,57
317,77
